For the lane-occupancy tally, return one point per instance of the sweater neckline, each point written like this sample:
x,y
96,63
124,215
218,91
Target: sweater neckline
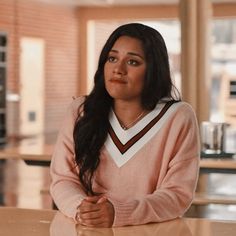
x,y
123,144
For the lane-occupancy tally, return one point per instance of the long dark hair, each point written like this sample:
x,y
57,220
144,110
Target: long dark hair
x,y
91,128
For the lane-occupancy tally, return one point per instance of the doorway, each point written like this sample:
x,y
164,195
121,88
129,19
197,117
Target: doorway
x,y
32,63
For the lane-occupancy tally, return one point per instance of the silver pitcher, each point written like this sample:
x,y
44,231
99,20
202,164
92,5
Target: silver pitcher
x,y
213,137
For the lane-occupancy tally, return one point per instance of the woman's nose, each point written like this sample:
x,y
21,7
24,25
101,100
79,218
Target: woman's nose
x,y
120,68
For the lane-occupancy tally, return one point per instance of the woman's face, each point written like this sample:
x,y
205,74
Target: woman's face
x,y
125,69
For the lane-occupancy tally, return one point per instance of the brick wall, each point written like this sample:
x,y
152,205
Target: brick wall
x,y
58,26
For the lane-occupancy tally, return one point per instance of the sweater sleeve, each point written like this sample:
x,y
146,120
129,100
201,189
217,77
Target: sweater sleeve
x,y
65,188
174,194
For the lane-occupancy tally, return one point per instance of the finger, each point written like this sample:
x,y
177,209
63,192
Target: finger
x,y
90,215
91,207
101,218
89,204
93,222
88,207
93,199
102,200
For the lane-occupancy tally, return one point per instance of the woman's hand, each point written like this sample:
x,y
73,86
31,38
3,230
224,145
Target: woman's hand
x,y
96,212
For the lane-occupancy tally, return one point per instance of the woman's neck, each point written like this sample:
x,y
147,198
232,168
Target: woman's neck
x,y
128,113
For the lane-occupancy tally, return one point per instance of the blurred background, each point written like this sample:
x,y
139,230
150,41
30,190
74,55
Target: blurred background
x,y
49,50
48,54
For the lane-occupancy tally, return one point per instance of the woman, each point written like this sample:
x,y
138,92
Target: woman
x,y
128,153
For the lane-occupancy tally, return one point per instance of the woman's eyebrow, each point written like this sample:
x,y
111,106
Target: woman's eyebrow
x,y
129,53
135,54
113,50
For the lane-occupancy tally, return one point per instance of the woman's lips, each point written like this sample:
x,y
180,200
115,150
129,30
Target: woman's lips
x,y
118,81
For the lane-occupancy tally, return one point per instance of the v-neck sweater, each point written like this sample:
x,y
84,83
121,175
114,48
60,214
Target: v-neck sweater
x,y
148,174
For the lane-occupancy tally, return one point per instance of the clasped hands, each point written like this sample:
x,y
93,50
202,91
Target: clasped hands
x,y
95,211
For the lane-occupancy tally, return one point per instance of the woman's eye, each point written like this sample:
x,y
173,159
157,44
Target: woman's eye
x,y
111,59
133,63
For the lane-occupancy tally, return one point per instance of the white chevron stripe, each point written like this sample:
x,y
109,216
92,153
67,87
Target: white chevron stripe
x,y
126,135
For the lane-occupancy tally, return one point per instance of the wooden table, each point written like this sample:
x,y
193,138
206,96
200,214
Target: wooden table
x,y
25,222
28,222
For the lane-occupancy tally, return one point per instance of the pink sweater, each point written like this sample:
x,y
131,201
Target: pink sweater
x,y
148,172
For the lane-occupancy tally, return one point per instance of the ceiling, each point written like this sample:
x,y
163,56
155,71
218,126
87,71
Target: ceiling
x,y
119,2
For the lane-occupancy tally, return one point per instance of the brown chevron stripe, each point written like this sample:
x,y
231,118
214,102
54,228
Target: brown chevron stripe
x,y
124,147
